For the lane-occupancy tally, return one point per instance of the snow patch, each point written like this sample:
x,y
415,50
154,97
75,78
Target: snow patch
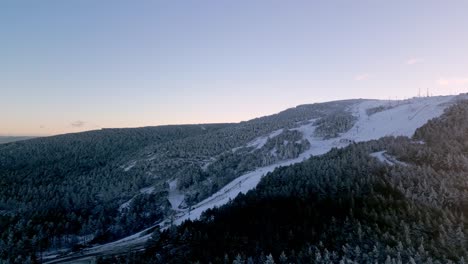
x,y
259,142
129,166
384,157
147,190
125,205
175,197
208,162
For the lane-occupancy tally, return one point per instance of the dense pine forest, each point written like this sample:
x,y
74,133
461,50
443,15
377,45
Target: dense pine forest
x,y
346,206
59,191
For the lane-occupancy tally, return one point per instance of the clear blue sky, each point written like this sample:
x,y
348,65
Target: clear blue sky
x,y
78,65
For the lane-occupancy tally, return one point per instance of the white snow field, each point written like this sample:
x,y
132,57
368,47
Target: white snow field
x,y
402,119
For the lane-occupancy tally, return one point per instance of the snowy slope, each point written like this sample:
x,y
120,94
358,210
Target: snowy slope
x,y
401,119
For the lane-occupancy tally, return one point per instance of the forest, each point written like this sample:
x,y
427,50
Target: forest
x,y
68,191
59,191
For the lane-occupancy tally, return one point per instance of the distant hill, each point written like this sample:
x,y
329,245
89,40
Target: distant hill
x,y
4,139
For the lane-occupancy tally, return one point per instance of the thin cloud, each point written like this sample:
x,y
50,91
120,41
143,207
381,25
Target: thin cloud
x,y
452,81
78,123
412,61
362,77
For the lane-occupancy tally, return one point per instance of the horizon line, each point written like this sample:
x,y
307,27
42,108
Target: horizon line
x,y
213,123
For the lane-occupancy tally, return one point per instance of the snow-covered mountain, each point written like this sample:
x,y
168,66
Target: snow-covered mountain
x,y
264,144
203,165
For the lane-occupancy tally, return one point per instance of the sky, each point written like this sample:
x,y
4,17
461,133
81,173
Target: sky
x,y
69,66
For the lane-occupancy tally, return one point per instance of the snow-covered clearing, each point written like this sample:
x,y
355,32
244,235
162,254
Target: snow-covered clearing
x,y
147,190
384,157
129,166
175,197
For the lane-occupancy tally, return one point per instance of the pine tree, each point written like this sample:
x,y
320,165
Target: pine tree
x,y
238,260
269,260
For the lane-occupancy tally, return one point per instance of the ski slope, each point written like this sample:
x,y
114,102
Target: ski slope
x,y
402,119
